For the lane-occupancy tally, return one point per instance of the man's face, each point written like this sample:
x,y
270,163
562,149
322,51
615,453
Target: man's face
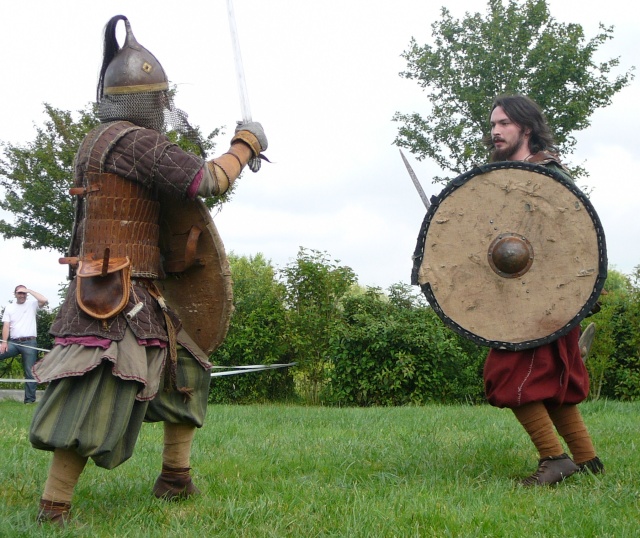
x,y
509,139
21,295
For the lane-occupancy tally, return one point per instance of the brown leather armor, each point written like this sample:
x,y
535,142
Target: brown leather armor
x,y
121,216
113,212
131,185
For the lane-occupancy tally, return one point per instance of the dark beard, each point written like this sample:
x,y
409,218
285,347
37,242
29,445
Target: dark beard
x,y
506,153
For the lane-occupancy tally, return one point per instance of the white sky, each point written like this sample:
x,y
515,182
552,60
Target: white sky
x,y
323,80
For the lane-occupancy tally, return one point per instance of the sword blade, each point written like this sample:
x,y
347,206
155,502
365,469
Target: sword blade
x,y
414,178
245,109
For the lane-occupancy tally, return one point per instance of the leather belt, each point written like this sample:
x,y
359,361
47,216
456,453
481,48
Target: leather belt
x,y
23,339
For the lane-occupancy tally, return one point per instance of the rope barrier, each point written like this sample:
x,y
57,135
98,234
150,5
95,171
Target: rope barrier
x,y
13,380
250,368
232,370
23,345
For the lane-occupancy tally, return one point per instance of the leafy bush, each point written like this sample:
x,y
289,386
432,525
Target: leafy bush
x,y
614,361
397,352
256,336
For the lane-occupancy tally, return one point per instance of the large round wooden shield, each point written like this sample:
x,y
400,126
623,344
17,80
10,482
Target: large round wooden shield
x,y
511,255
198,282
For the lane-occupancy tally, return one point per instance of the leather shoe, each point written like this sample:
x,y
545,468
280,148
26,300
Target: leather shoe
x,y
175,484
54,512
551,470
595,466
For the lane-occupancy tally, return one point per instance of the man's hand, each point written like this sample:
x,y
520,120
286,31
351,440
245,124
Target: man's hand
x,y
252,134
257,131
42,300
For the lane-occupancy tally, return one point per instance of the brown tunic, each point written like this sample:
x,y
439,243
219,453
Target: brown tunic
x,y
148,158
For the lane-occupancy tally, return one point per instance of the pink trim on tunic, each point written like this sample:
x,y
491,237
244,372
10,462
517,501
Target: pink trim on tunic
x,y
130,361
104,343
192,191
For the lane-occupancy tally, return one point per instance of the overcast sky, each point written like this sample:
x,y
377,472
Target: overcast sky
x,y
323,80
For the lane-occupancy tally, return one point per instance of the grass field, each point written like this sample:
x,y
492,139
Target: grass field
x,y
280,471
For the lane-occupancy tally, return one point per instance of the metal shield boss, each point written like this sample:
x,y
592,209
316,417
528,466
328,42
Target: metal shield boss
x,y
198,283
511,255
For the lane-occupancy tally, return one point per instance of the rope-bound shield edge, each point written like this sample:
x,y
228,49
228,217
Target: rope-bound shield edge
x,y
456,183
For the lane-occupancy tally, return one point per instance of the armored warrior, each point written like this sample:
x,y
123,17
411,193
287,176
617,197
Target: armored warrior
x,y
122,354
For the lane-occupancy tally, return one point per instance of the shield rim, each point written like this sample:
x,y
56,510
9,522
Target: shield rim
x,y
461,180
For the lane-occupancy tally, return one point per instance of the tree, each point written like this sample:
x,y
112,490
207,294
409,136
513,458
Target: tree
x,y
403,295
601,360
257,335
36,178
516,48
315,287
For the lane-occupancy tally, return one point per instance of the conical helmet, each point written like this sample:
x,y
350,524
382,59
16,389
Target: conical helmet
x,y
132,68
134,87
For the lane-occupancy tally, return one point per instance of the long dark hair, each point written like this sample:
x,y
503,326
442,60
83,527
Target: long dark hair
x,y
526,113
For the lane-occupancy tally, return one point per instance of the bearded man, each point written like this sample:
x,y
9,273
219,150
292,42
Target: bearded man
x,y
121,354
541,385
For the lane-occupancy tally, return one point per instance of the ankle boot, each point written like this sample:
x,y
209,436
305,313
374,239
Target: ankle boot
x,y
551,470
175,484
54,512
595,466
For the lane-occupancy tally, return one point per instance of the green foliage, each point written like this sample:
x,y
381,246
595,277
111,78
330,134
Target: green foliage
x,y
397,352
36,178
614,361
517,47
601,358
626,325
256,336
44,319
314,289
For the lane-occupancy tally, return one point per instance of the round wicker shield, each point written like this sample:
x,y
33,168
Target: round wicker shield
x,y
511,255
198,283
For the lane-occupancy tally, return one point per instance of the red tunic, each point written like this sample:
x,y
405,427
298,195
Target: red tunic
x,y
553,373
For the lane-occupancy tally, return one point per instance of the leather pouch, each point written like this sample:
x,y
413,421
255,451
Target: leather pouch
x,y
103,286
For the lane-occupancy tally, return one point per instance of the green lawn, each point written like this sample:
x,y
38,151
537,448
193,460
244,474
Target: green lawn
x,y
314,472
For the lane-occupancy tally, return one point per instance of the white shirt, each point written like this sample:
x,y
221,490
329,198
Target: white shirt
x,y
21,318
